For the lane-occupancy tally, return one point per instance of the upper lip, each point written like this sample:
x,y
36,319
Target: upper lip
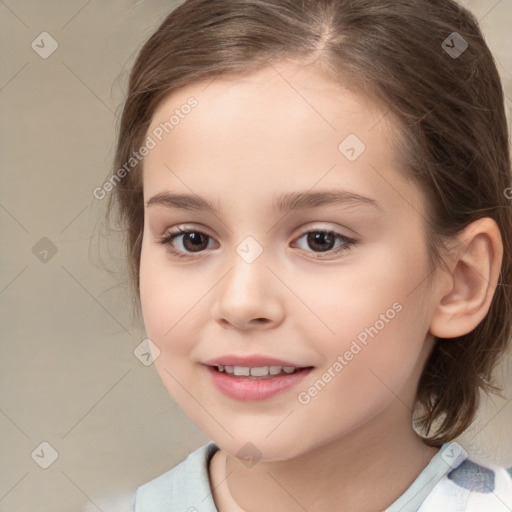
x,y
249,361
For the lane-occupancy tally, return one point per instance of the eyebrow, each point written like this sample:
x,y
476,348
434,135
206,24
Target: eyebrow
x,y
282,203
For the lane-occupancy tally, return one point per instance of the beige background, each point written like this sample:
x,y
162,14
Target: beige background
x,y
69,375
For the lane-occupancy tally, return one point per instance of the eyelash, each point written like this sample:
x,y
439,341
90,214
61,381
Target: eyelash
x,y
168,238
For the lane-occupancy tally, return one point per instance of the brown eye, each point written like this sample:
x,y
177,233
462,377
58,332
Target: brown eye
x,y
185,242
324,241
194,241
321,240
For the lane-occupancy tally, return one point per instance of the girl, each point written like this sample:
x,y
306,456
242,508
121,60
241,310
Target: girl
x,y
319,232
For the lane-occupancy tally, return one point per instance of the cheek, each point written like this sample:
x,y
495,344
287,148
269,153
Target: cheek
x,y
162,296
351,298
171,307
372,363
374,317
173,304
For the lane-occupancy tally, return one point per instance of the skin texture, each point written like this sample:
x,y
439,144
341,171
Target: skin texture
x,y
249,139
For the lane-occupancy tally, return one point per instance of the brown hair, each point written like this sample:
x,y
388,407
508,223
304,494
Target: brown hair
x,y
450,110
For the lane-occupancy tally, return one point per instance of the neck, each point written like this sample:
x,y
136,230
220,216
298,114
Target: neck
x,y
364,471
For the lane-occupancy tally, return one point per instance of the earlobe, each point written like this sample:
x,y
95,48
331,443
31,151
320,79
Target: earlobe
x,y
473,277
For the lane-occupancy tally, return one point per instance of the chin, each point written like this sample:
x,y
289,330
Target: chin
x,y
257,449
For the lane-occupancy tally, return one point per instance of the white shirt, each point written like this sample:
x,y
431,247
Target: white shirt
x,y
450,483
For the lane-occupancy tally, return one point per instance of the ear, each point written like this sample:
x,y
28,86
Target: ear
x,y
469,284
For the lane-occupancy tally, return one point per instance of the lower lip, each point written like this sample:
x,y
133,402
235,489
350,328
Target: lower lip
x,y
243,388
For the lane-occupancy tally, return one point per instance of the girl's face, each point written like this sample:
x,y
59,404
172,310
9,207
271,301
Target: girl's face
x,y
336,284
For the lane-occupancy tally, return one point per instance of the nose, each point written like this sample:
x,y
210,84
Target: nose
x,y
249,296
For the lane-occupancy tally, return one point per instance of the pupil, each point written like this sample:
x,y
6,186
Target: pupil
x,y
318,237
197,239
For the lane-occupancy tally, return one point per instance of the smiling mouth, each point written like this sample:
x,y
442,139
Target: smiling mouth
x,y
258,372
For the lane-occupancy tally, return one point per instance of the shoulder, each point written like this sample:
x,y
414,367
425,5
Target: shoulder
x,y
472,487
185,488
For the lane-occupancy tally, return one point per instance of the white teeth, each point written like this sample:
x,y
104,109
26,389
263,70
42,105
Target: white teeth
x,y
274,370
258,371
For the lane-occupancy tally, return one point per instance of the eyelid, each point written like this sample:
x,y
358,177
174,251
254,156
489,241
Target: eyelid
x,y
339,230
184,228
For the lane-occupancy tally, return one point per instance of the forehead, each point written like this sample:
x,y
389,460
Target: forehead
x,y
302,93
282,126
